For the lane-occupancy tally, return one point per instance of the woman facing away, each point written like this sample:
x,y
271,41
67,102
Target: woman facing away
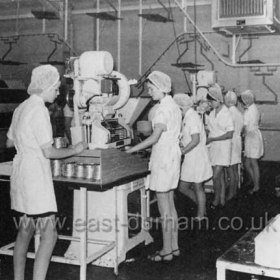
x,y
196,167
165,161
253,139
220,126
32,191
236,149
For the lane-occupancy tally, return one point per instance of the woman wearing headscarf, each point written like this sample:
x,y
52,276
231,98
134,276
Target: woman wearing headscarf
x,y
220,126
165,160
32,190
236,150
196,167
253,139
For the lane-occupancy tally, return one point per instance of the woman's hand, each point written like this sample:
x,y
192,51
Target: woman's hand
x,y
209,140
78,148
129,150
181,147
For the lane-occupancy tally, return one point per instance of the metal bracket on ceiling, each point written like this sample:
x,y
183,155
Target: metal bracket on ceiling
x,y
10,42
57,41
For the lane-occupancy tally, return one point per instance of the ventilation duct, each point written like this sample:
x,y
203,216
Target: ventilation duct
x,y
246,16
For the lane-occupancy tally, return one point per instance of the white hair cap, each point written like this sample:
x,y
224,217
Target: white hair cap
x,y
183,100
247,97
161,81
230,98
215,92
43,77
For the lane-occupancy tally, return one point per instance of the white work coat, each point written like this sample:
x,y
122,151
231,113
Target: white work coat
x,y
253,137
165,158
238,122
32,190
196,166
220,151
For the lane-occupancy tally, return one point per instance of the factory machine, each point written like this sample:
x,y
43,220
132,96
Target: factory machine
x,y
99,93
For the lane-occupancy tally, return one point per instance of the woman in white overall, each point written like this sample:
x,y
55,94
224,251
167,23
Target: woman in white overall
x,y
196,167
32,191
220,126
253,139
165,161
236,149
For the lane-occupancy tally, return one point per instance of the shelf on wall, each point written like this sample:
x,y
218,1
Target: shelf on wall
x,y
104,16
187,65
53,62
11,62
255,61
156,18
41,14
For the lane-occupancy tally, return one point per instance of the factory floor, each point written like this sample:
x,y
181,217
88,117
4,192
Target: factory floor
x,y
199,248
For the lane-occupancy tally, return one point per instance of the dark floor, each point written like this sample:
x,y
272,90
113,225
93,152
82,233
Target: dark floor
x,y
199,249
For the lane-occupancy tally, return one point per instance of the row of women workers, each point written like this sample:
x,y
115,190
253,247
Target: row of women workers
x,y
171,138
226,124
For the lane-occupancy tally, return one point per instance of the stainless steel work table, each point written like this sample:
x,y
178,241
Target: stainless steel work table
x,y
240,258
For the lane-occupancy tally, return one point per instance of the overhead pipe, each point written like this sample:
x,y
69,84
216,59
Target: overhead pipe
x,y
119,36
66,20
39,34
94,10
140,41
97,26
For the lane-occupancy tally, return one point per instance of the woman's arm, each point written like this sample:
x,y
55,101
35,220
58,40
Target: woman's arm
x,y
227,135
194,142
151,140
10,143
53,153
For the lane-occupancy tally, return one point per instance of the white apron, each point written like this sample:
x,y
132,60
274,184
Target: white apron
x,y
236,149
220,151
165,159
196,166
32,190
253,137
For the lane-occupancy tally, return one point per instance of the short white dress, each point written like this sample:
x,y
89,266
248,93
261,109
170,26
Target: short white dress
x,y
165,161
253,137
236,150
196,167
32,190
220,151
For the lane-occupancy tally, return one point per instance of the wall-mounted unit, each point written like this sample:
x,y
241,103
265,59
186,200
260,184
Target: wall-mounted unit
x,y
246,16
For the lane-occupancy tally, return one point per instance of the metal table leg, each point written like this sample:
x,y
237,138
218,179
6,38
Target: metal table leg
x,y
83,234
221,273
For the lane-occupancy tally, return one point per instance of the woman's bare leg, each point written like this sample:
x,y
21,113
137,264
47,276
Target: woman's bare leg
x,y
48,233
167,222
217,174
174,216
249,169
256,174
201,200
25,233
185,189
